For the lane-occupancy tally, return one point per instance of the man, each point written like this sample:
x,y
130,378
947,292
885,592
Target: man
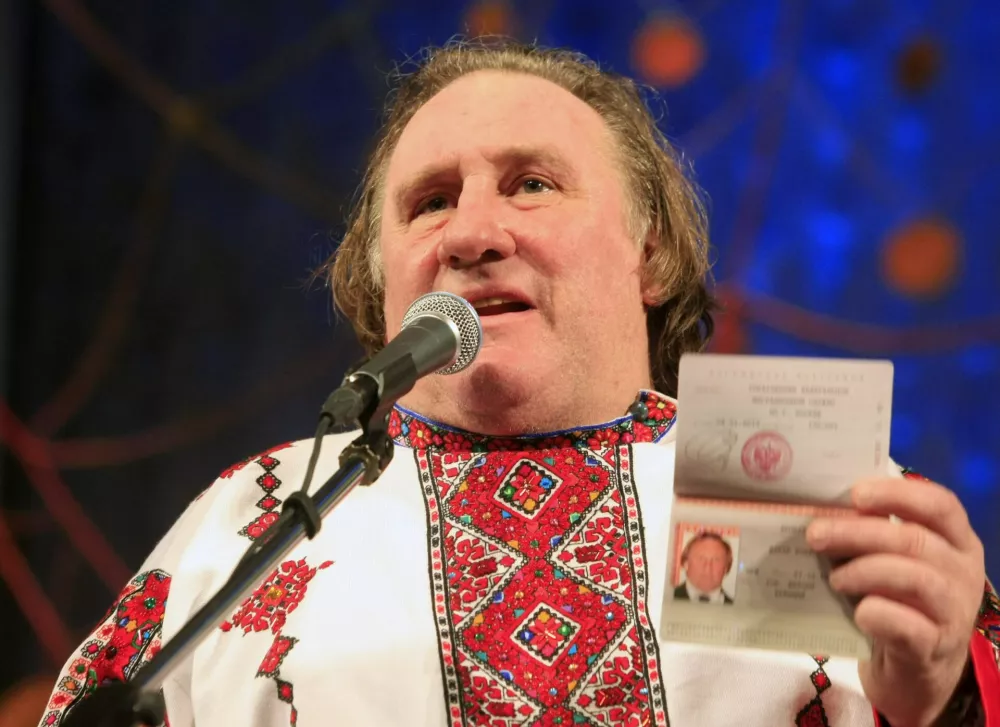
x,y
507,568
706,559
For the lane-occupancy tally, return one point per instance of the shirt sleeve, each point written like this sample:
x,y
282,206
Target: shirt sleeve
x,y
985,655
129,634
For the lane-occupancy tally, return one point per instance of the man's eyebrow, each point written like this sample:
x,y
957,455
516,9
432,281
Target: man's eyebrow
x,y
424,178
522,155
514,156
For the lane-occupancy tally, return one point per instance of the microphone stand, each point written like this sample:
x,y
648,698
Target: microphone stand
x,y
139,701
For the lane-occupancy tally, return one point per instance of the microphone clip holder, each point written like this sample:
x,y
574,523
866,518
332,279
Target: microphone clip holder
x,y
364,397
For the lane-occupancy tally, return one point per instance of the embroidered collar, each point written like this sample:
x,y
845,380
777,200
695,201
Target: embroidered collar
x,y
648,419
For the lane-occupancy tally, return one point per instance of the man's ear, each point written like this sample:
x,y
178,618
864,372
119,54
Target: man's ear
x,y
650,287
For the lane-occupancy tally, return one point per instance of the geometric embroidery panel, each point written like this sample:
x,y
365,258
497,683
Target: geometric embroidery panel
x,y
127,638
650,417
527,487
268,482
539,584
545,633
813,713
266,610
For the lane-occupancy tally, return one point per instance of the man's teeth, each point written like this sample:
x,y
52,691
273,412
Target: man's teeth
x,y
486,302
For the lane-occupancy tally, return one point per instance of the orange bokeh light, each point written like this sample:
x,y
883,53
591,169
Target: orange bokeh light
x,y
919,64
490,17
921,259
668,52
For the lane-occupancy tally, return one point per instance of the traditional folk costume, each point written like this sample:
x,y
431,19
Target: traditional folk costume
x,y
480,581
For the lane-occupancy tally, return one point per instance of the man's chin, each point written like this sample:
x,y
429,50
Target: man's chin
x,y
494,381
505,391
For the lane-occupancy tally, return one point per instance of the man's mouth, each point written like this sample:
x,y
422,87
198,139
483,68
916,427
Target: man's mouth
x,y
497,306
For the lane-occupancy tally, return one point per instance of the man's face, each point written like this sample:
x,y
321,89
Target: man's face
x,y
707,564
505,189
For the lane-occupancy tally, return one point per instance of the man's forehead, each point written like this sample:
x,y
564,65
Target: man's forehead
x,y
497,115
704,543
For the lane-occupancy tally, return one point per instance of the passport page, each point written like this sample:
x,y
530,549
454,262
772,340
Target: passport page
x,y
791,430
774,590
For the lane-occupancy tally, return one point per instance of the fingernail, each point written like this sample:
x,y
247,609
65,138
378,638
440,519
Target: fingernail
x,y
835,580
863,494
817,534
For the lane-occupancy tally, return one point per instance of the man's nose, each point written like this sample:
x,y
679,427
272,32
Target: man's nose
x,y
474,233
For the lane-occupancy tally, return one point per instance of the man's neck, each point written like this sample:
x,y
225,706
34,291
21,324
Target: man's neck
x,y
695,591
696,594
505,413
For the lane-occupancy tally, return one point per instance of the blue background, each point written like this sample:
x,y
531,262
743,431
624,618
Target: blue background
x,y
182,167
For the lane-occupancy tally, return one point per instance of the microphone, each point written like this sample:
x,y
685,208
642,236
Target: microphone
x,y
440,333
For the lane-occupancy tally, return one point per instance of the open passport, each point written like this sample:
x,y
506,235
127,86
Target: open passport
x,y
764,445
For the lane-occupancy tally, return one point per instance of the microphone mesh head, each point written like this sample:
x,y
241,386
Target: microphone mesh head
x,y
461,314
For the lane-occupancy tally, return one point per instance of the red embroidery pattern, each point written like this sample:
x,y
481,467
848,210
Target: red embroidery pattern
x,y
230,471
653,416
266,610
268,482
814,714
539,582
127,638
988,621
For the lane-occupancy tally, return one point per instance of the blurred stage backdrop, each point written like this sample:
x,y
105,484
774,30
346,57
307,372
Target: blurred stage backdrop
x,y
173,171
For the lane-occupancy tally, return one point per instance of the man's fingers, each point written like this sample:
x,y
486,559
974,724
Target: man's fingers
x,y
849,537
897,627
908,582
919,501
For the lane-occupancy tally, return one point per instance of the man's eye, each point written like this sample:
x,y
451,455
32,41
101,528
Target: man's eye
x,y
434,204
533,185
